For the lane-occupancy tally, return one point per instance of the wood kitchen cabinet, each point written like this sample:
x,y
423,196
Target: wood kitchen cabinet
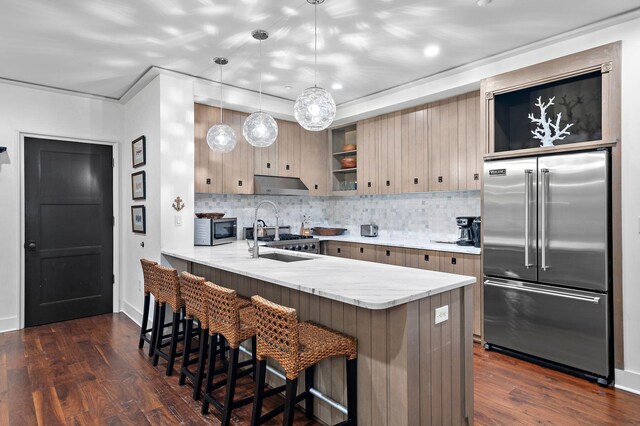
x,y
367,137
414,147
237,165
422,259
390,255
443,145
337,249
389,131
288,145
470,148
313,165
366,252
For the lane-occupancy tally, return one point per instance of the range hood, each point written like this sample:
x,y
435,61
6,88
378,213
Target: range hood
x,y
277,185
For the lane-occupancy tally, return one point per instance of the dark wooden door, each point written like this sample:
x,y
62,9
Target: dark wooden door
x,y
68,230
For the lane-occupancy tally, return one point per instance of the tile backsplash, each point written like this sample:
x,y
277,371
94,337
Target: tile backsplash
x,y
426,215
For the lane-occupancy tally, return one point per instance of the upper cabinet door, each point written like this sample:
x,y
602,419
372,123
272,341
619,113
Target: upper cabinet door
x,y
208,164
415,164
238,164
288,148
266,159
470,151
314,168
390,153
367,136
443,145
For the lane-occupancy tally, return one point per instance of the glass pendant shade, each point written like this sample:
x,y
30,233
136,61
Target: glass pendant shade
x,y
260,129
315,109
221,138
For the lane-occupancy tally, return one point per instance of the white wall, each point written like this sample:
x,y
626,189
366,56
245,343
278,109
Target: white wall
x,y
27,110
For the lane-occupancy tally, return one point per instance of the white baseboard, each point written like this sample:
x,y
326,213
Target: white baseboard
x,y
628,381
135,314
9,324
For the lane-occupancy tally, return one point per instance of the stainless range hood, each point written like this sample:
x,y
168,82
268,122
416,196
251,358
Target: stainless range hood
x,y
277,185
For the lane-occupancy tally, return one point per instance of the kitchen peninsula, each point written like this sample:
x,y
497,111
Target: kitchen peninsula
x,y
410,370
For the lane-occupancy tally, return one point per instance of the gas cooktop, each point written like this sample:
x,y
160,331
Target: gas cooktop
x,y
285,237
295,243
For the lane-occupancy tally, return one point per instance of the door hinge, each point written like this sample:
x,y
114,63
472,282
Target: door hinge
x,y
113,221
113,163
113,278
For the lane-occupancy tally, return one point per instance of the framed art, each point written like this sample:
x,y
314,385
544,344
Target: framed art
x,y
138,219
139,186
139,151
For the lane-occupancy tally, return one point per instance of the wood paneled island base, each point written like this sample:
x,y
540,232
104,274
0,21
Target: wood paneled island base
x,y
410,370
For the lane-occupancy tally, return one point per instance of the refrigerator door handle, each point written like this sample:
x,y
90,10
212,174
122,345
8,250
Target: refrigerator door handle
x,y
527,209
544,182
594,300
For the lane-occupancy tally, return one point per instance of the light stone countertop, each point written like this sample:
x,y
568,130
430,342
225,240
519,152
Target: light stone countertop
x,y
365,284
403,242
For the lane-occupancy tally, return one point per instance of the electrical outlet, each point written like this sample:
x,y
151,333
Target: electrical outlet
x,y
178,220
442,314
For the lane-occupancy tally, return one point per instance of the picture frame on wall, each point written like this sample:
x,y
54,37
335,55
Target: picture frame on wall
x,y
138,219
139,186
139,152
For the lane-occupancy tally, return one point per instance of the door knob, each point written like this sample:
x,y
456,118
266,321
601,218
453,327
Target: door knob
x,y
30,245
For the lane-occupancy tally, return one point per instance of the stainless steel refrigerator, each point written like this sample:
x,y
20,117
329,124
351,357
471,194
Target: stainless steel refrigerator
x,y
547,262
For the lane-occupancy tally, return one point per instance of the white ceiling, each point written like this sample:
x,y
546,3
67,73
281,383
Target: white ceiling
x,y
102,46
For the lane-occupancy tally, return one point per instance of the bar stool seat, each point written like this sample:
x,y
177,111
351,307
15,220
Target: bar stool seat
x,y
297,346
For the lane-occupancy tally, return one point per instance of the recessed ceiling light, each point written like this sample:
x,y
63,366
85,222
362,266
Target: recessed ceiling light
x,y
336,86
483,2
431,51
288,87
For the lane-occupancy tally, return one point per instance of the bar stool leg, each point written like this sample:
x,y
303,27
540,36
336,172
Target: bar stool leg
x,y
308,384
290,401
258,395
352,391
211,367
231,386
204,344
145,320
160,333
154,328
254,362
175,329
186,351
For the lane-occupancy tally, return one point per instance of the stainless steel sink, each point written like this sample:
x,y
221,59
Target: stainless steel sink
x,y
281,257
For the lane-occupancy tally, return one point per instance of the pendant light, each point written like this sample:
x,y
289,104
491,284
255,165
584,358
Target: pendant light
x,y
315,108
260,129
221,137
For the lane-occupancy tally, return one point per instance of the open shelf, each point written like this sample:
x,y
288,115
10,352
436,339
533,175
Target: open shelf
x,y
353,169
354,152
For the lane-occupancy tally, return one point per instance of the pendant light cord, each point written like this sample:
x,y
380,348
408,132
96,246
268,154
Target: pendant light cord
x,y
260,66
315,41
221,113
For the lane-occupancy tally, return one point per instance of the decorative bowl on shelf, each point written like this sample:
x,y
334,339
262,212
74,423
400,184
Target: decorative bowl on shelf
x,y
209,215
348,162
328,232
349,147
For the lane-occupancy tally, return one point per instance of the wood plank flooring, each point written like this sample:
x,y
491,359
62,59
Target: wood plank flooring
x,y
89,371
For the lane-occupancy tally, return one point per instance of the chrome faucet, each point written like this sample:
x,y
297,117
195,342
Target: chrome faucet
x,y
255,249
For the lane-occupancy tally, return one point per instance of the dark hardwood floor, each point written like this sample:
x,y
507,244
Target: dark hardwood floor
x,y
89,371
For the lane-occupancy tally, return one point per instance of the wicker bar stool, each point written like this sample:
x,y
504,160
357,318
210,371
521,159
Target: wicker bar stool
x,y
150,288
234,320
169,293
297,346
197,298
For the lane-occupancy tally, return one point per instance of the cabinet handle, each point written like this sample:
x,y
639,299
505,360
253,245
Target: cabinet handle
x,y
338,249
315,186
426,257
239,183
287,167
415,181
439,179
388,183
453,260
369,184
361,249
476,176
388,252
268,165
208,181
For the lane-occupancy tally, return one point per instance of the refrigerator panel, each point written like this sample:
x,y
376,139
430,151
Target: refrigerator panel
x,y
509,204
566,327
573,220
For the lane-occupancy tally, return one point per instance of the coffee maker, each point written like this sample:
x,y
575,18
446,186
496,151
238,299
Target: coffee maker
x,y
476,230
466,234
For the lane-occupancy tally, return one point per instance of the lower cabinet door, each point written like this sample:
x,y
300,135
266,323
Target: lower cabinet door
x,y
569,327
